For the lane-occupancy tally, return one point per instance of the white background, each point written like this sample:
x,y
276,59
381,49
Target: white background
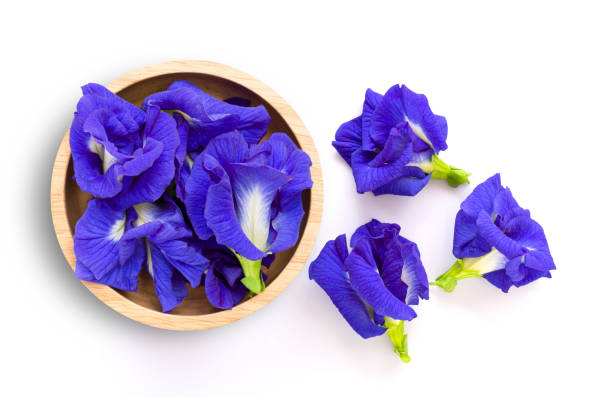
x,y
526,90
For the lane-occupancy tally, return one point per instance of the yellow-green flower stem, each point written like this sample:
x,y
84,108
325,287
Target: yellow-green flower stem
x,y
395,331
252,274
448,280
453,175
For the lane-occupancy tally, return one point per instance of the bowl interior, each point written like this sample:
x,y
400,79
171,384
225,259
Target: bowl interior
x,y
76,200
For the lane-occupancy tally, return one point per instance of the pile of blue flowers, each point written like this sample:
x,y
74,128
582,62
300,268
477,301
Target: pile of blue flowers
x,y
392,148
186,188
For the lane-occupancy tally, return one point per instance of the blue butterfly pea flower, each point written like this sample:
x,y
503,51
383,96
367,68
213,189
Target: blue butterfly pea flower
x,y
393,146
375,284
498,240
200,118
248,197
113,245
119,151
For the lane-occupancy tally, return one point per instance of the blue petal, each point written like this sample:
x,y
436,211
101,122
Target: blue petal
x,y
220,292
97,235
401,105
288,158
413,274
228,148
530,235
88,166
101,93
252,122
348,138
496,237
499,279
121,276
286,224
329,273
366,280
170,289
196,192
483,197
409,183
467,243
369,178
151,184
398,141
372,100
203,125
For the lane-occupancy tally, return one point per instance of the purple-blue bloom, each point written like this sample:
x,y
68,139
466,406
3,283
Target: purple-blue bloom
x,y
498,240
374,285
248,197
201,117
393,145
119,151
112,245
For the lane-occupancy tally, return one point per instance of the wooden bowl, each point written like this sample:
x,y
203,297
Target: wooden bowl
x,y
68,202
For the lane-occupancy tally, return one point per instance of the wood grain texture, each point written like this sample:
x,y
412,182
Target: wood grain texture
x,y
68,202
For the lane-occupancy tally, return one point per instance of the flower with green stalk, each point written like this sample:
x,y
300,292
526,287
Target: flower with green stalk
x,y
374,285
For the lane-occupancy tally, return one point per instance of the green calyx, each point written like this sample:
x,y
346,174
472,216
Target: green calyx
x,y
448,280
395,331
453,175
252,274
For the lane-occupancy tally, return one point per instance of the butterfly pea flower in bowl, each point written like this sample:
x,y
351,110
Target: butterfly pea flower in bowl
x,y
249,197
393,145
497,239
119,151
200,118
112,246
375,283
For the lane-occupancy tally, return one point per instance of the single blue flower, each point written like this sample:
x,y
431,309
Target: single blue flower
x,y
393,146
248,197
201,117
374,285
119,151
112,246
498,240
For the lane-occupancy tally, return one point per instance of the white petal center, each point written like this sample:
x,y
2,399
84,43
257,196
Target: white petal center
x,y
493,261
254,216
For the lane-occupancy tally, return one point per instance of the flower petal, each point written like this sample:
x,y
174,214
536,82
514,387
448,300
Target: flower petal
x,y
467,243
370,178
496,237
413,274
252,122
122,276
483,197
255,187
169,286
196,193
368,283
96,237
151,184
286,224
372,100
328,271
348,138
409,183
401,105
220,293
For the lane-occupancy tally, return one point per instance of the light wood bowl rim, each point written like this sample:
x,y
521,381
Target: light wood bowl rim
x,y
153,318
